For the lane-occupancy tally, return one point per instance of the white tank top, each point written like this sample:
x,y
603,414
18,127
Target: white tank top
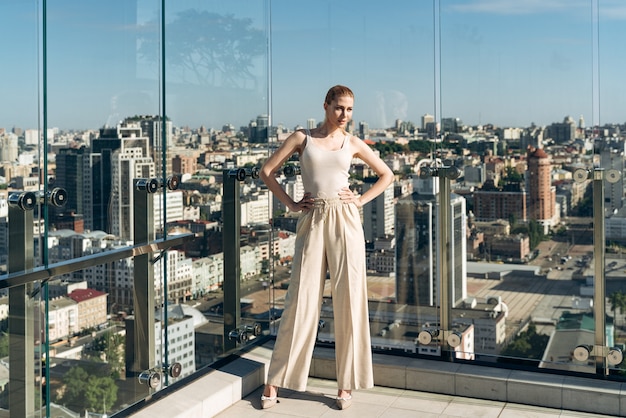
x,y
325,173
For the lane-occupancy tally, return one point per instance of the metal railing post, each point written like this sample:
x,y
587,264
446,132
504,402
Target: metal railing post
x,y
443,240
599,245
605,355
21,308
143,282
231,213
443,332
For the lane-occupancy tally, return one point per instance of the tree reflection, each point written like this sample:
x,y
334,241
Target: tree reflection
x,y
208,48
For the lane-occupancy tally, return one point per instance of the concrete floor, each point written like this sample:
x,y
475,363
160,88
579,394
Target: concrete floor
x,y
319,401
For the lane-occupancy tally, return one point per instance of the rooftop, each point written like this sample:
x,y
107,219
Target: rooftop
x,y
404,387
319,401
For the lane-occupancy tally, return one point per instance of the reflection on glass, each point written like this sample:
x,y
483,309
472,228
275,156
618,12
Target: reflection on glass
x,y
216,82
106,110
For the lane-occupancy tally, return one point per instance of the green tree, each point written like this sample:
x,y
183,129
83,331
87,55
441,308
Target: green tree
x,y
422,146
585,206
74,381
112,345
386,148
84,390
617,301
527,345
4,344
100,394
535,233
512,176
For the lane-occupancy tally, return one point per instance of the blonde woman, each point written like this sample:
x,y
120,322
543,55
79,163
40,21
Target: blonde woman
x,y
329,238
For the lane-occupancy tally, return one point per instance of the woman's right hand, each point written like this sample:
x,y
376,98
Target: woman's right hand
x,y
305,204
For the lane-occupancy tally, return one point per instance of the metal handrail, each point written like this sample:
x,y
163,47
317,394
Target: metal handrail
x,y
44,273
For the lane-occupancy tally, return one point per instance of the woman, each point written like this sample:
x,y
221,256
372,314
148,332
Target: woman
x,y
329,237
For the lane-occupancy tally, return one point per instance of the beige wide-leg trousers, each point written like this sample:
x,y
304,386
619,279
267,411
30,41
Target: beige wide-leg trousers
x,y
328,238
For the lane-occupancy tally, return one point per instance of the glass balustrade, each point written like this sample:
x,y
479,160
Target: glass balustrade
x,y
138,245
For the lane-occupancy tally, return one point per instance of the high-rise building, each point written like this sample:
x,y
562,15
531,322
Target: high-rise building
x,y
532,137
426,120
417,256
350,126
69,175
97,180
120,155
129,162
180,338
259,130
541,193
8,147
152,128
378,214
180,341
452,125
174,207
563,132
364,130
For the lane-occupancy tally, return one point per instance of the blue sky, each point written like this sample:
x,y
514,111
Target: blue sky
x,y
508,62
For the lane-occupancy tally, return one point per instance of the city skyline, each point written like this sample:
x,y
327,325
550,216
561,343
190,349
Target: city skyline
x,y
499,62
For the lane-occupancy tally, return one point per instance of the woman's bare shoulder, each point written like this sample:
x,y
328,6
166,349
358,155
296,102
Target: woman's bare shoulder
x,y
296,140
356,142
298,136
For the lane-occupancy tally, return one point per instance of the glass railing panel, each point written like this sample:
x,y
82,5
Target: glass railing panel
x,y
385,55
103,111
216,67
514,101
20,120
609,149
22,309
93,352
22,351
24,315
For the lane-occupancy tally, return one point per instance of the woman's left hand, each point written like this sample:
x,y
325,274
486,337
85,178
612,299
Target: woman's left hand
x,y
347,196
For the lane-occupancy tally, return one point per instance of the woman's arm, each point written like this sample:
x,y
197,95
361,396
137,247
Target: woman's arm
x,y
369,157
294,143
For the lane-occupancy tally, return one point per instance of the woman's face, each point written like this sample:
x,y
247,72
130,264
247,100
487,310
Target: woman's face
x,y
339,111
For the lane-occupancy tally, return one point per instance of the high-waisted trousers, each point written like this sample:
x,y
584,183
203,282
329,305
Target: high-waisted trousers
x,y
329,237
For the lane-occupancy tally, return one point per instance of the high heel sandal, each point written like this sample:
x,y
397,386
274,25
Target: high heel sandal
x,y
344,403
268,401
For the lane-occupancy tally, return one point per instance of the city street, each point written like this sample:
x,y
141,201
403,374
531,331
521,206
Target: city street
x,y
543,298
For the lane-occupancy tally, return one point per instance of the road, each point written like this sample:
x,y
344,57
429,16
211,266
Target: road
x,y
256,289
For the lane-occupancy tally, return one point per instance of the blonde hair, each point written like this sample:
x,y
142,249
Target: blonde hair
x,y
338,91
